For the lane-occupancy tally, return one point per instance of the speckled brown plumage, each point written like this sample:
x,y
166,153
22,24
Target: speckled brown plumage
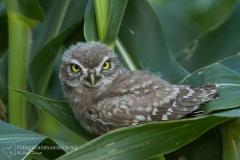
x,y
105,99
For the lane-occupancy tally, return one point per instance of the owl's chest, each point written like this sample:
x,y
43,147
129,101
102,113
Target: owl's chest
x,y
86,109
86,100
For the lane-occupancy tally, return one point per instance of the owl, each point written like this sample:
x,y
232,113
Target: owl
x,y
105,96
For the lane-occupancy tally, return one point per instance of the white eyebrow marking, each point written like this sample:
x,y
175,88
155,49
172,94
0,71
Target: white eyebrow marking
x,y
74,61
99,67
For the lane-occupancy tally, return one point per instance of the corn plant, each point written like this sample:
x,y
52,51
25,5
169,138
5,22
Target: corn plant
x,y
34,35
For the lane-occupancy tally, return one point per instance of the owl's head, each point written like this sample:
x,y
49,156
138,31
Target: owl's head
x,y
89,65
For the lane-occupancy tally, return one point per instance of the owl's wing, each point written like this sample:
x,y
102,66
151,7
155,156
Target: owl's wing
x,y
186,102
171,103
112,112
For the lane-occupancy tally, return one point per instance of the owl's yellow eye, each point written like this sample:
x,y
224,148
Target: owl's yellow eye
x,y
75,68
106,65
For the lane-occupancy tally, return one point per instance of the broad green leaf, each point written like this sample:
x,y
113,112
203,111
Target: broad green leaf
x,y
48,39
124,58
228,79
229,90
198,15
145,43
59,111
231,140
179,28
116,144
90,24
102,13
54,89
229,98
2,111
59,15
229,113
32,117
195,77
3,29
16,143
117,9
232,62
209,13
41,66
28,11
207,147
161,157
218,73
31,10
214,45
3,78
3,47
19,24
76,36
145,141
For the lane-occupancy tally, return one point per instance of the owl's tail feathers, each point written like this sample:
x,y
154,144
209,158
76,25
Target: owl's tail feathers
x,y
211,91
211,94
187,102
193,114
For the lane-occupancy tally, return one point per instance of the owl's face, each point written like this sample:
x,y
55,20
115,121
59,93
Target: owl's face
x,y
89,65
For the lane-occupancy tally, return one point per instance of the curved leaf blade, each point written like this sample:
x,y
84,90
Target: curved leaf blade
x,y
145,141
232,62
179,28
90,24
59,111
18,48
48,38
27,11
230,87
228,80
194,78
41,66
17,143
101,10
117,9
3,78
213,46
3,30
231,140
207,147
32,10
146,46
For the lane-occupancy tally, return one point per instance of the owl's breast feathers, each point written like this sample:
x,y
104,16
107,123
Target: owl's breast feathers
x,y
141,97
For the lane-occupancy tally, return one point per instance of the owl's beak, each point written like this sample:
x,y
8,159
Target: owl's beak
x,y
92,79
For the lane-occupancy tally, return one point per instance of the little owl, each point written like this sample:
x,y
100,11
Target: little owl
x,y
105,96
